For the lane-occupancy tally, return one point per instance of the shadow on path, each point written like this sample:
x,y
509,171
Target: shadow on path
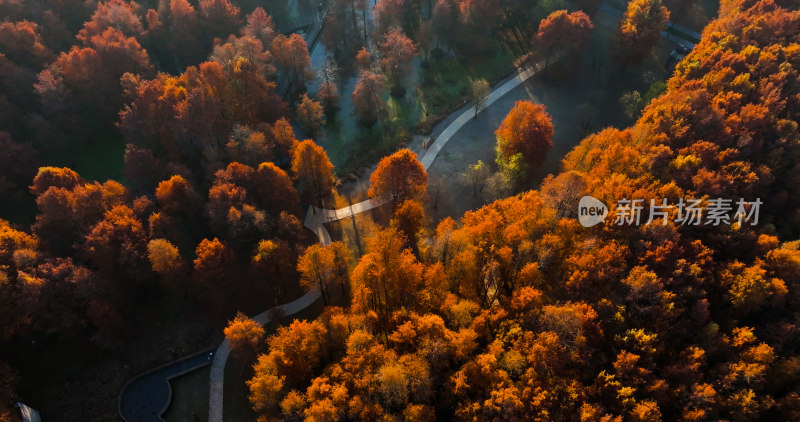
x,y
146,397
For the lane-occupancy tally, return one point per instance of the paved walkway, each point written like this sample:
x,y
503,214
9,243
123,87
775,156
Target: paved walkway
x,y
223,351
147,396
315,221
316,217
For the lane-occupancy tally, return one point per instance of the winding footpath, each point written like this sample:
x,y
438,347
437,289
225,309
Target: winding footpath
x,y
317,217
156,382
224,349
315,221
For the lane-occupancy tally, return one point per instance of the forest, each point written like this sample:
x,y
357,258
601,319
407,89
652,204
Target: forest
x,y
159,161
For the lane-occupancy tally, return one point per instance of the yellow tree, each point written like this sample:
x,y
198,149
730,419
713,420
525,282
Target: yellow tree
x,y
316,267
388,277
311,115
313,172
322,266
640,28
244,334
164,257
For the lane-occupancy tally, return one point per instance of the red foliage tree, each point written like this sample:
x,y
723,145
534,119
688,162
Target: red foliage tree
x,y
260,26
118,14
388,16
399,177
563,32
368,98
527,130
273,190
117,245
220,18
81,90
328,95
293,60
397,51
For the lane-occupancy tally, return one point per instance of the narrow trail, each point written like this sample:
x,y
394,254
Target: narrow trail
x,y
315,221
317,217
224,350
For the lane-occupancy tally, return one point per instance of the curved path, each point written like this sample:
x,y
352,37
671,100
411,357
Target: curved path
x,y
156,382
224,349
316,217
315,221
147,396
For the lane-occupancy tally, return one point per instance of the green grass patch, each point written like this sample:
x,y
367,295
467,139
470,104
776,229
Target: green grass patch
x,y
189,395
445,83
236,405
382,140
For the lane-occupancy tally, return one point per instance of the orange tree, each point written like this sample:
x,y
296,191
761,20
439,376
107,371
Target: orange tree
x,y
398,177
523,140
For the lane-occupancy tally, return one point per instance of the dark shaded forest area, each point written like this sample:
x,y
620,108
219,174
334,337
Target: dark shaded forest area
x,y
514,312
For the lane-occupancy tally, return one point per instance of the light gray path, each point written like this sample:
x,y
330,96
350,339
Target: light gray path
x,y
315,221
224,350
317,217
455,126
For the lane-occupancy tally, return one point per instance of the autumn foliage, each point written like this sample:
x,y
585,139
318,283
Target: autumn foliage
x,y
523,140
517,312
244,333
368,98
207,217
313,171
398,177
397,51
513,312
640,28
562,32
